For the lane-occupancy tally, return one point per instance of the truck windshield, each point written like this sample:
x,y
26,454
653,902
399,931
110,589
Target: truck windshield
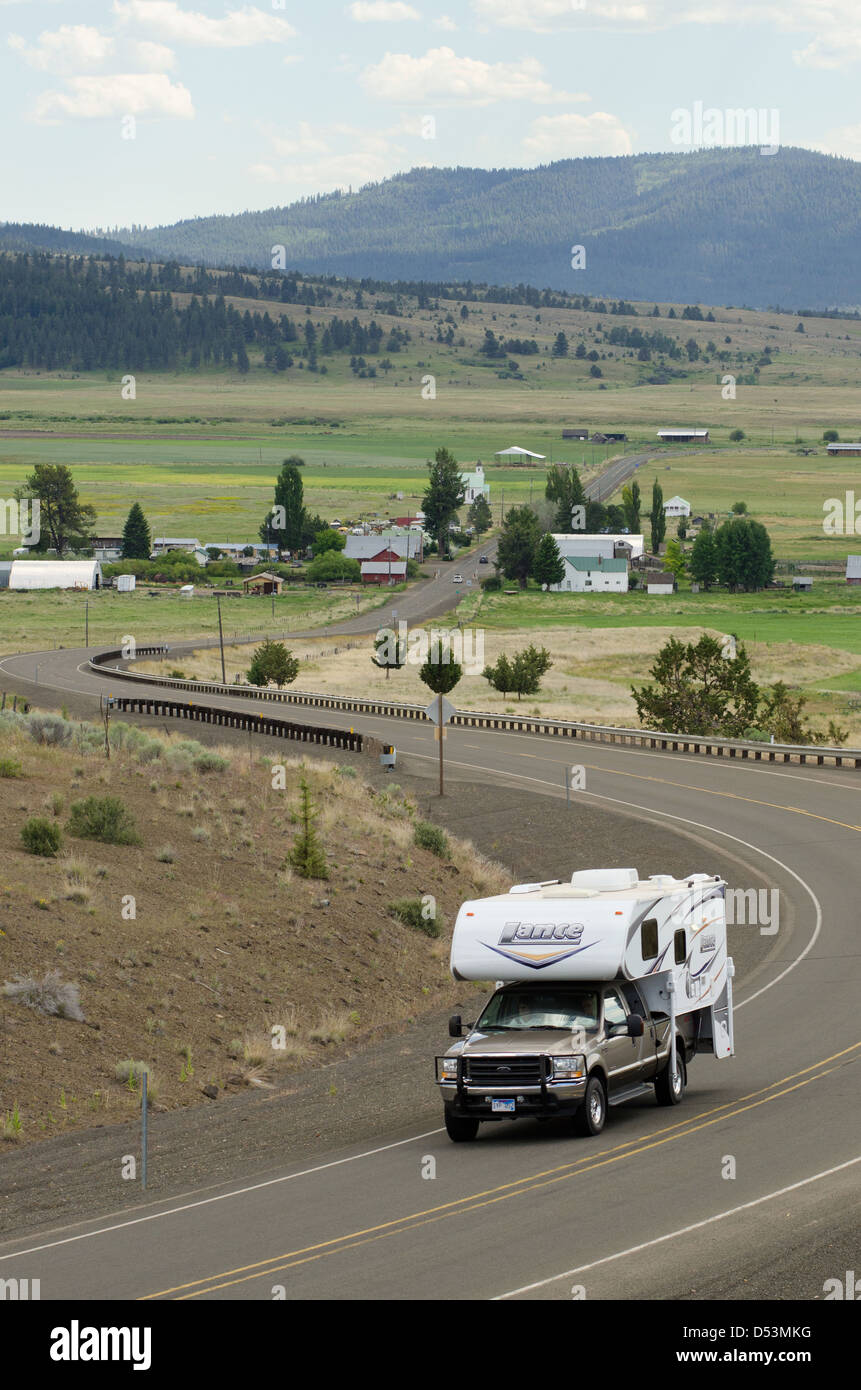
x,y
550,1008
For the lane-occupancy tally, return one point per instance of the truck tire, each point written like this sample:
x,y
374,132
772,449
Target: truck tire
x,y
591,1116
670,1090
460,1129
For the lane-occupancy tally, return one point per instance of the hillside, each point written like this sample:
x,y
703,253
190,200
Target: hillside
x,y
189,945
725,226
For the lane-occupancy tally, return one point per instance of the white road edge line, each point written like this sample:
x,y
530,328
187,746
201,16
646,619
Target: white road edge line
x,y
682,1231
235,1192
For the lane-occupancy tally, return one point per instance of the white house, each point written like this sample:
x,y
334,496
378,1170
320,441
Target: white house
x,y
475,485
590,543
677,506
659,582
55,574
591,574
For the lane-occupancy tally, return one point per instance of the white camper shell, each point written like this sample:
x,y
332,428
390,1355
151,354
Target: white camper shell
x,y
667,934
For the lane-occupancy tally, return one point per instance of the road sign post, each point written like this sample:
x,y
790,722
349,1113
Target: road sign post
x,y
439,712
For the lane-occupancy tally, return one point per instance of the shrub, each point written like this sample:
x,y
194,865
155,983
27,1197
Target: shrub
x,y
50,729
51,995
210,762
431,837
41,836
130,1073
411,911
10,767
166,854
103,818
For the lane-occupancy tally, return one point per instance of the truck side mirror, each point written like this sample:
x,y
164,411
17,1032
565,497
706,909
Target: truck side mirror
x,y
455,1026
635,1026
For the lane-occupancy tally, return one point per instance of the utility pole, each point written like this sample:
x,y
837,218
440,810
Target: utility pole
x,y
441,735
86,622
221,640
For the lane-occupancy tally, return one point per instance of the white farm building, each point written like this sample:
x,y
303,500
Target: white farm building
x,y
474,485
55,574
589,574
677,506
596,543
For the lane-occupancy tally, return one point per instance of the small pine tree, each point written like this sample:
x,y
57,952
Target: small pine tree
x,y
307,856
137,540
548,567
272,662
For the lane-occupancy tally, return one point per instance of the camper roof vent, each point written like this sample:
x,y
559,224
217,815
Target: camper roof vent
x,y
532,887
605,880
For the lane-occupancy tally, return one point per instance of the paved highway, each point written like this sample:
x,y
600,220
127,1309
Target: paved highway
x,y
646,1210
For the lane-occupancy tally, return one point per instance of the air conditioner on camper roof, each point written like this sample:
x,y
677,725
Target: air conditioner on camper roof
x,y
605,880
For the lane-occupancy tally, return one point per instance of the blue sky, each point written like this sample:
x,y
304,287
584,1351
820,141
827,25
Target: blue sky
x,y
146,111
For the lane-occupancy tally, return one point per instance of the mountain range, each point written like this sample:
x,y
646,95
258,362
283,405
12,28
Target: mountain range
x,y
716,226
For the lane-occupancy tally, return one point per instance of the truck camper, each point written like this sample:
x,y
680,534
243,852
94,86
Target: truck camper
x,y
606,987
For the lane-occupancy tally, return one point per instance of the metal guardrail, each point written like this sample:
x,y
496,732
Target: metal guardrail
x,y
234,719
741,749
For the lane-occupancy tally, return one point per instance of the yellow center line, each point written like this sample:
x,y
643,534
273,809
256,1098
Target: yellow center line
x,y
669,1134
709,791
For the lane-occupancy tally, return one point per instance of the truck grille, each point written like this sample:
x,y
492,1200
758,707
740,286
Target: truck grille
x,y
504,1071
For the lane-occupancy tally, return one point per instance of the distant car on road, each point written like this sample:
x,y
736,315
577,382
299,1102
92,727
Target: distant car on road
x,y
483,560
457,579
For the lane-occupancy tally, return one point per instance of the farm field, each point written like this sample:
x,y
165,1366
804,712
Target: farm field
x,y
599,647
40,621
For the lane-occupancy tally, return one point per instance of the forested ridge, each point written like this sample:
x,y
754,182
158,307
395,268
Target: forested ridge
x,y
718,226
726,226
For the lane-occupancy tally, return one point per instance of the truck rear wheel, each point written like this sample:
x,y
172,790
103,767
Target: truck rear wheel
x,y
460,1129
669,1085
592,1114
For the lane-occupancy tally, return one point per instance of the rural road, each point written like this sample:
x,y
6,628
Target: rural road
x,y
749,1190
646,1210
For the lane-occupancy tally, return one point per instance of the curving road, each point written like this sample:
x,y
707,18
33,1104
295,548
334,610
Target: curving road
x,y
648,1210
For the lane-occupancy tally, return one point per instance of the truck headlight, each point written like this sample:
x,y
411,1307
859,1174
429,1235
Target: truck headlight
x,y
571,1068
446,1068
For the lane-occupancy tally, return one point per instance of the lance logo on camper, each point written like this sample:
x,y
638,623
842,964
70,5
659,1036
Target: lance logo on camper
x,y
529,932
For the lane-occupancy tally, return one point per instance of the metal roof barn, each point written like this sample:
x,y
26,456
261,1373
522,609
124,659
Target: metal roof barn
x,y
55,574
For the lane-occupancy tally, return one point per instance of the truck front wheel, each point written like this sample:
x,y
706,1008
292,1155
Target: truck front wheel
x,y
590,1118
459,1129
669,1084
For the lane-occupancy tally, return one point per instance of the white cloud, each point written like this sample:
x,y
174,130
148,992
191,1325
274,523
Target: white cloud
x,y
123,94
572,135
846,141
238,29
67,49
382,12
445,22
327,157
440,75
833,26
153,57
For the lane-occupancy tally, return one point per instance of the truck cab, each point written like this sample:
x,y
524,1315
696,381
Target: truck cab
x,y
547,1051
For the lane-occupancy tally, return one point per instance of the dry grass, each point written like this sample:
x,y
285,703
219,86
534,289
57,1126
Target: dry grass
x,y
593,670
224,941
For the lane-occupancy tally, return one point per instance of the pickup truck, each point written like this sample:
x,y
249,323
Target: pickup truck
x,y
561,1050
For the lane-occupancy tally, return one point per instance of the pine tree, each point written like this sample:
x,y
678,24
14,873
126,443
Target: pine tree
x,y
548,566
704,561
307,856
137,540
445,492
479,516
657,516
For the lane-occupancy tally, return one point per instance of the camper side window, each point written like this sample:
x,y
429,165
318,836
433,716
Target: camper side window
x,y
680,946
649,938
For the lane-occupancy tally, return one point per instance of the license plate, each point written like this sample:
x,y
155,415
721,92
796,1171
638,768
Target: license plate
x,y
506,1107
